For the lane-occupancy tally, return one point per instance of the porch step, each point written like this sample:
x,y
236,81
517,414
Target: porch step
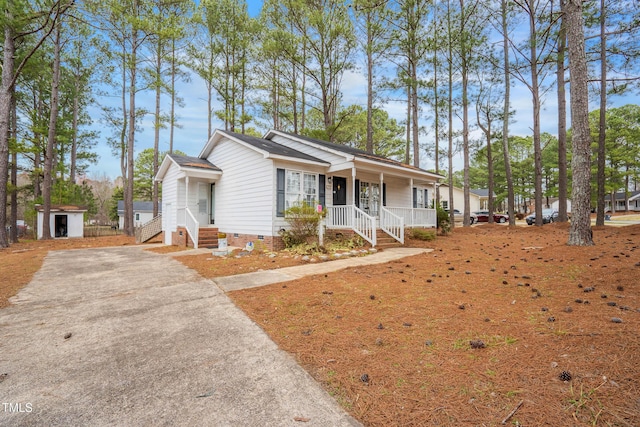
x,y
383,240
208,238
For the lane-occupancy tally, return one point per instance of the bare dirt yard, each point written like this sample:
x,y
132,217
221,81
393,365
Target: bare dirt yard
x,y
497,325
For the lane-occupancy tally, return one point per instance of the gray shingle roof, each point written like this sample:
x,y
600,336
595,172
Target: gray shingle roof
x,y
139,206
482,192
355,152
193,162
272,147
621,195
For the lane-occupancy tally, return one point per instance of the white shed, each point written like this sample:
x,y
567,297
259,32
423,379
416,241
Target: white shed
x,y
64,221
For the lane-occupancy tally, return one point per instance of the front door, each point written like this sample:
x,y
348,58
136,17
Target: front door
x,y
339,191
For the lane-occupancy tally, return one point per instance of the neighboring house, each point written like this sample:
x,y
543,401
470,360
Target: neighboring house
x,y
621,201
142,213
483,194
458,199
64,221
242,185
555,205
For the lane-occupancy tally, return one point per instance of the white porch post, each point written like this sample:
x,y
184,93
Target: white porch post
x,y
353,180
381,195
186,191
411,200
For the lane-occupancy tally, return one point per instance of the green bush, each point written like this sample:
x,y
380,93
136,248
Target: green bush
x,y
422,234
442,217
303,220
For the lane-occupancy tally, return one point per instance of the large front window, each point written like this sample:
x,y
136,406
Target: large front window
x,y
300,187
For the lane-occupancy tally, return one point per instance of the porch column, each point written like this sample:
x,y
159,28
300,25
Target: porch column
x,y
186,193
381,191
435,195
413,220
353,185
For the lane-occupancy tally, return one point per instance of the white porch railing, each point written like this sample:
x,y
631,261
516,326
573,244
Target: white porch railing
x,y
186,218
392,224
416,217
354,218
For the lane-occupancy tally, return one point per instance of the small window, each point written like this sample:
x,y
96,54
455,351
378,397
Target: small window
x,y
445,204
137,217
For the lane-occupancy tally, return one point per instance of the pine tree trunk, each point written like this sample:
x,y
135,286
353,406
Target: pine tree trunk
x,y
5,112
13,220
562,125
128,190
603,118
51,138
580,233
535,92
369,146
505,119
158,124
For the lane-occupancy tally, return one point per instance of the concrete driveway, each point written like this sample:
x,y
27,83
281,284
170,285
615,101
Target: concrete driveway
x,y
122,336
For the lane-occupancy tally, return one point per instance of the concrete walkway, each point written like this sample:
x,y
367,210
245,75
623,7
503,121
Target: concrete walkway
x,y
123,336
261,278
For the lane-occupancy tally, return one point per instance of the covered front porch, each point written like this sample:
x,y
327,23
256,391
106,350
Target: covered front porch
x,y
366,202
196,207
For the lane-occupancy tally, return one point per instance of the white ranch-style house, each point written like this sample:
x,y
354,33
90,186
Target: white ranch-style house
x,y
242,185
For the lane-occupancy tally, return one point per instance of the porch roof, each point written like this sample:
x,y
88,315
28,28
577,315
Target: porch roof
x,y
352,154
188,165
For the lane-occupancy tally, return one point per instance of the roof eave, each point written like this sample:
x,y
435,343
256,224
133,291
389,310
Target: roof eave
x,y
297,160
405,170
348,157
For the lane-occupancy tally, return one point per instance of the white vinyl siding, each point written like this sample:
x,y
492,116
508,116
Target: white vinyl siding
x,y
170,196
245,191
398,192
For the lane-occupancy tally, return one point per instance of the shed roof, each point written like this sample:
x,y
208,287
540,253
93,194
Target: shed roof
x,y
63,208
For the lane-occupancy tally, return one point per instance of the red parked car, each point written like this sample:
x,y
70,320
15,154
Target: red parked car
x,y
483,216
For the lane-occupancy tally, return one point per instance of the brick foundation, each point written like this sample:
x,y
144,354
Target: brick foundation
x,y
270,243
180,237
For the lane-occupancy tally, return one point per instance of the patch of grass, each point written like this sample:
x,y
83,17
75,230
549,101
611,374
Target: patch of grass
x,y
586,404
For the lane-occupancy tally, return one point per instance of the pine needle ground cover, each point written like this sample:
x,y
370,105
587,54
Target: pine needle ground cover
x,y
496,324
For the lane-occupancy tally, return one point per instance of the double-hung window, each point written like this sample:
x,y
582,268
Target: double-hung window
x,y
300,187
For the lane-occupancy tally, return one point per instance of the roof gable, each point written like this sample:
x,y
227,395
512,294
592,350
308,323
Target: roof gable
x,y
185,163
266,147
351,152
